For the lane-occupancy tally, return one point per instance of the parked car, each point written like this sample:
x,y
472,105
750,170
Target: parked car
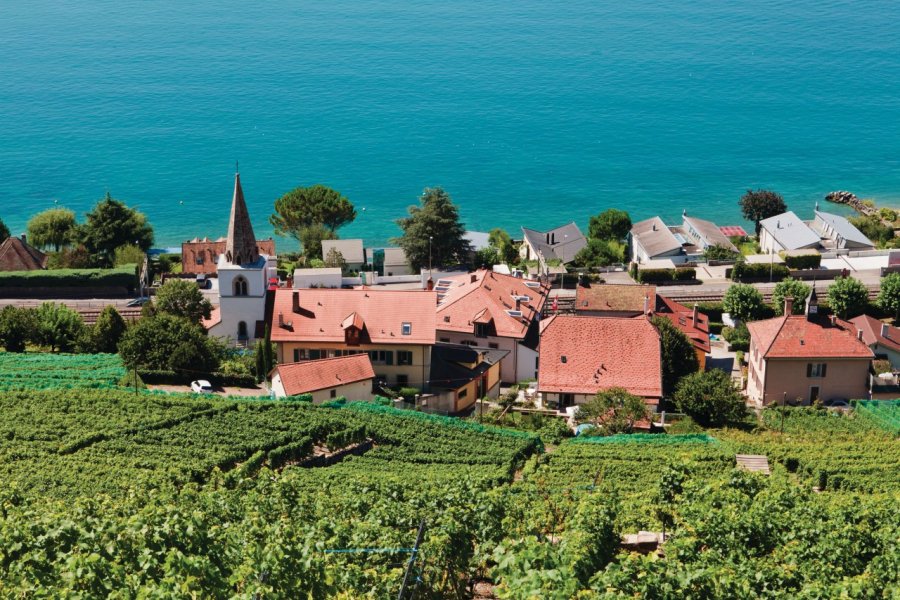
x,y
837,403
202,386
203,282
138,301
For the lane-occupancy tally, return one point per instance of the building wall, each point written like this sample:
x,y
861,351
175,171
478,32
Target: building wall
x,y
580,399
785,379
234,309
416,374
526,364
509,365
892,355
767,243
361,390
209,252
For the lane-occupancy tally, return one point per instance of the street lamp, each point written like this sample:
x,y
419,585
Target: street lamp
x,y
430,238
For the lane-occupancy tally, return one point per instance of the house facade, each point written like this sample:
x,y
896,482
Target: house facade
x,y
583,355
842,233
495,311
881,338
798,359
460,375
559,244
395,328
350,377
651,240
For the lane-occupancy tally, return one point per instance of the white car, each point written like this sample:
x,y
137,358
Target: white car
x,y
202,386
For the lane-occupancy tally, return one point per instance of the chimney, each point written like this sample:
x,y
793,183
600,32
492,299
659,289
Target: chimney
x,y
646,304
473,278
295,301
24,239
518,303
548,238
281,319
429,284
654,227
552,238
885,331
788,306
695,314
859,334
833,319
778,224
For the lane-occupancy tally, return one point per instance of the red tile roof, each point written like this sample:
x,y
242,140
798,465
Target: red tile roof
x,y
485,297
683,318
581,355
872,328
796,337
17,255
215,317
612,297
314,375
209,251
323,313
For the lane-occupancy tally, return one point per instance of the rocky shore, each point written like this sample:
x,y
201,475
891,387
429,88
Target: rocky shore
x,y
850,199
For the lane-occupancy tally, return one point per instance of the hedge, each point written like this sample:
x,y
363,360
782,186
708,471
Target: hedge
x,y
759,271
176,378
346,437
803,261
660,275
125,277
684,274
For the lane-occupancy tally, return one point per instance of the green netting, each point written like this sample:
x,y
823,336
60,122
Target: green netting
x,y
885,413
647,438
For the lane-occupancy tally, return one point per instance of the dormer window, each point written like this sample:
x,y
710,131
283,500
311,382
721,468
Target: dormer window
x,y
481,330
351,336
406,329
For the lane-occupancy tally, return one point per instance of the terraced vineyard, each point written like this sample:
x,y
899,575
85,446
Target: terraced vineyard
x,y
59,371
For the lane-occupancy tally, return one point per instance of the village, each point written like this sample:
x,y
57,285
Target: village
x,y
780,318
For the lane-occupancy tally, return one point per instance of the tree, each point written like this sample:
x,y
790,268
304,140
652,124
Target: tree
x,y
743,301
16,327
335,260
486,258
889,296
108,330
304,207
848,297
599,253
506,250
111,225
432,232
70,258
167,342
873,228
613,410
678,356
58,327
311,238
611,224
710,398
4,231
761,204
720,253
182,298
129,254
53,227
790,288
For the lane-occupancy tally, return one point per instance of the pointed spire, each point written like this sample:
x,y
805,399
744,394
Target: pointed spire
x,y
240,245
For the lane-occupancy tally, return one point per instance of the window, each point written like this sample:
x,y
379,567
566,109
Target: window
x,y
242,330
481,330
381,357
351,336
300,354
315,354
816,369
563,359
493,346
239,287
199,259
404,357
445,340
470,342
333,393
463,393
406,329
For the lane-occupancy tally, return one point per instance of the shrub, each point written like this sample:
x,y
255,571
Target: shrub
x,y
803,261
684,274
743,271
654,275
743,302
710,398
122,277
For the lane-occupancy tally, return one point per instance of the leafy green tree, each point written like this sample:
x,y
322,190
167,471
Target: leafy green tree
x,y
710,398
678,356
111,225
17,326
889,295
506,250
54,227
311,238
600,253
873,228
743,301
613,410
848,297
167,342
4,231
182,298
720,253
611,224
305,207
790,288
129,254
486,258
433,230
761,204
108,330
58,327
335,260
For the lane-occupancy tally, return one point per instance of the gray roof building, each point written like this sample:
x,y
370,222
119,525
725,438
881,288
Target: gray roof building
x,y
841,231
706,233
786,232
562,243
351,250
651,239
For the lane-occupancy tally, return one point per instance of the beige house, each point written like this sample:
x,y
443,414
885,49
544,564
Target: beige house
x,y
883,339
350,377
797,359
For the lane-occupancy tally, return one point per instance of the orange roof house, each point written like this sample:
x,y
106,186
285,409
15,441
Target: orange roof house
x,y
801,358
396,328
347,376
583,355
612,300
496,311
883,339
17,255
200,256
690,321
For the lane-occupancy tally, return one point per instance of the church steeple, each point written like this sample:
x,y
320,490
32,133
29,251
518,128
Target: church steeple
x,y
240,246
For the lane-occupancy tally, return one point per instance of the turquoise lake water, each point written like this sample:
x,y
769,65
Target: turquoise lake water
x,y
528,113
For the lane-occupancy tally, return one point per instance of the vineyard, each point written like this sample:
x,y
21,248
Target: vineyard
x,y
108,492
59,371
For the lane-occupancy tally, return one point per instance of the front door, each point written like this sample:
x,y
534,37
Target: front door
x,y
813,393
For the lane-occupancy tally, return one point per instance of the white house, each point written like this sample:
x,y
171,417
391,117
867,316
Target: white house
x,y
786,232
325,379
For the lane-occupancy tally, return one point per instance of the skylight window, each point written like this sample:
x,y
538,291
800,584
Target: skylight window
x,y
406,329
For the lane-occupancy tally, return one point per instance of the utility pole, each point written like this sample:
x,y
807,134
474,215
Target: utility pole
x,y
430,238
783,402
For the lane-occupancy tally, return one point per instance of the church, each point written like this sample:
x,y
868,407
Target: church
x,y
244,276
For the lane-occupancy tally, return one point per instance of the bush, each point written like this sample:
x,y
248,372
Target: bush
x,y
743,271
720,253
408,393
710,398
290,452
684,274
122,277
345,437
743,302
654,275
803,261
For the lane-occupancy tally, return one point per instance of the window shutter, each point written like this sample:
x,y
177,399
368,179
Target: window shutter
x,y
809,369
824,369
389,357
